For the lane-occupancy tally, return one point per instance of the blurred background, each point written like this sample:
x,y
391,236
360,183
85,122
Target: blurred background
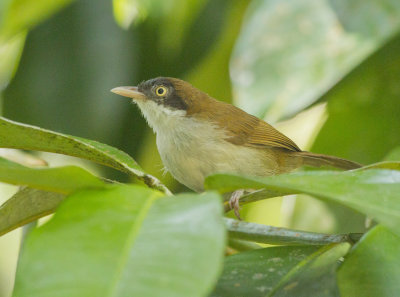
x,y
326,73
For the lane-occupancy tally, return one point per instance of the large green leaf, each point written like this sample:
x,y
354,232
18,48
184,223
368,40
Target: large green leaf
x,y
314,276
26,206
34,138
375,19
364,110
290,53
256,273
372,268
374,192
59,179
125,241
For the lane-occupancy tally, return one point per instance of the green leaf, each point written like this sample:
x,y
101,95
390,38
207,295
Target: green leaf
x,y
21,15
383,165
127,12
290,53
314,276
373,192
368,101
10,53
394,155
372,267
125,241
226,183
34,138
378,19
26,206
59,179
256,273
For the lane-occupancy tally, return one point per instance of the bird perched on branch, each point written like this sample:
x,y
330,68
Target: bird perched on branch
x,y
198,135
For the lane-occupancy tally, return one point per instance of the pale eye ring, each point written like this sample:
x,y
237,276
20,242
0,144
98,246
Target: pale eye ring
x,y
161,91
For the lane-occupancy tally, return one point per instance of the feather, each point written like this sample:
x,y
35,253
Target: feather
x,y
317,160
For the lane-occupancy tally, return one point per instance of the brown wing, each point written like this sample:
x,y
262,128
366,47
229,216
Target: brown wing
x,y
264,134
245,129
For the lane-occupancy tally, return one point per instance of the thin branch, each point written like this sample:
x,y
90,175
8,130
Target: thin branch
x,y
275,235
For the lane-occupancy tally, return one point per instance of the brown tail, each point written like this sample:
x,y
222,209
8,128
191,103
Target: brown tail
x,y
317,160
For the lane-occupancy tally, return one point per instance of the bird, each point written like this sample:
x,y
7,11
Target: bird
x,y
197,136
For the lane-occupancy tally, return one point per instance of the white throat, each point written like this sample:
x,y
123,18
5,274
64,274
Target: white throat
x,y
160,118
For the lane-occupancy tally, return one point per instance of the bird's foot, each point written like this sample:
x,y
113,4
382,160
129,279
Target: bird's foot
x,y
234,202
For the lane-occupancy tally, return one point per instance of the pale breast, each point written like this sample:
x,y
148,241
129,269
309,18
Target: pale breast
x,y
198,149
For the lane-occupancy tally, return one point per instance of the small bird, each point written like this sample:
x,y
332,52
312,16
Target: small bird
x,y
198,135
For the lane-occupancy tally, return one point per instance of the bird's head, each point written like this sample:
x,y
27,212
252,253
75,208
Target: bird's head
x,y
165,99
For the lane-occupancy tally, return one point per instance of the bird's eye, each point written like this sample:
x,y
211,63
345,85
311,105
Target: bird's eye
x,y
161,91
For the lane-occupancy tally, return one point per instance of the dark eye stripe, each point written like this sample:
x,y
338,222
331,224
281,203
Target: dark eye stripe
x,y
175,101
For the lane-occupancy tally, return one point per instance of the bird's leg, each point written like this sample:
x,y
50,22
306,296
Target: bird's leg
x,y
234,202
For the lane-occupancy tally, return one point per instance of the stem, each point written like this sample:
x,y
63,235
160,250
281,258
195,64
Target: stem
x,y
275,235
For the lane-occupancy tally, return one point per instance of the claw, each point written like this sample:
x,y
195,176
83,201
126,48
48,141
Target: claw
x,y
234,202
